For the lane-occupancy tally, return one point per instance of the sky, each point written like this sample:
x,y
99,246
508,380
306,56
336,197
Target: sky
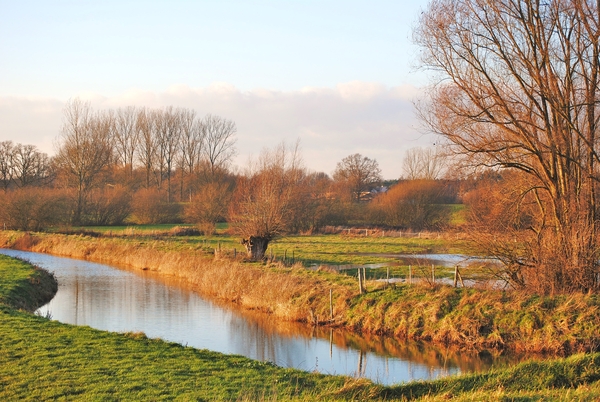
x,y
339,76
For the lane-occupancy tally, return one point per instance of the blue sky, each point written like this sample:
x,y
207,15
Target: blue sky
x,y
337,74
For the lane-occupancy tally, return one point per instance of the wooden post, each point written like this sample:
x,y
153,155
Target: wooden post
x,y
360,286
235,253
433,274
293,257
331,302
364,278
410,274
455,275
388,276
285,257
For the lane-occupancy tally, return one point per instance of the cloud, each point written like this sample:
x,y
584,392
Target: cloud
x,y
30,121
331,123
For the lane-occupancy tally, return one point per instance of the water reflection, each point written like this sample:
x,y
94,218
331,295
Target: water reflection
x,y
115,300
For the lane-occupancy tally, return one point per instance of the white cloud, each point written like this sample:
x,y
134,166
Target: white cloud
x,y
331,123
30,121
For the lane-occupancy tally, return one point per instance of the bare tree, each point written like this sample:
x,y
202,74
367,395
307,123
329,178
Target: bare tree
x,y
517,88
147,145
126,136
263,200
30,165
219,142
192,145
7,155
359,173
423,164
169,133
85,149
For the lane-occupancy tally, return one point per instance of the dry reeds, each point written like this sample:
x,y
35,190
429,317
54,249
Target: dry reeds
x,y
271,289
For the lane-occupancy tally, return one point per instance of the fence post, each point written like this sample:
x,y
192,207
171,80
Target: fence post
x,y
388,276
433,273
410,274
360,286
331,302
364,278
455,275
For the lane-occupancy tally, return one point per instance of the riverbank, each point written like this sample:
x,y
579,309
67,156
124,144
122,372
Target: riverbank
x,y
46,360
466,318
23,286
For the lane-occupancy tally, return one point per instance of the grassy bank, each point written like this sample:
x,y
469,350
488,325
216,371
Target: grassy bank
x,y
466,318
45,360
23,286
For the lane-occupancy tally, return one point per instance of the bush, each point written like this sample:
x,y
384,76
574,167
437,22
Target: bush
x,y
110,206
414,204
149,206
34,209
208,206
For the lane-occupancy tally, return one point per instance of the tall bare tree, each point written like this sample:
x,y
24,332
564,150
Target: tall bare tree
x,y
423,164
30,166
126,136
517,88
168,124
85,149
359,173
219,142
7,155
147,146
192,145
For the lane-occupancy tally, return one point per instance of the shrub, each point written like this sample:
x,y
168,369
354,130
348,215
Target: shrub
x,y
149,206
34,209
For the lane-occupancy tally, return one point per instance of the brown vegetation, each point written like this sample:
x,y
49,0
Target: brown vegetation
x,y
517,89
270,289
415,204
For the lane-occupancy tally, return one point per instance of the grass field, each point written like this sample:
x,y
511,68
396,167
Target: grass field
x,y
333,250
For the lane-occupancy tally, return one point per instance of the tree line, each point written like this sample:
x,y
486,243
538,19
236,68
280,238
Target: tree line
x,y
140,165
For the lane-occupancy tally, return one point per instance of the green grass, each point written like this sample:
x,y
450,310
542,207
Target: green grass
x,y
458,214
42,360
22,285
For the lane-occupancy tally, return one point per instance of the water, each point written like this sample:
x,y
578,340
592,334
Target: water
x,y
110,299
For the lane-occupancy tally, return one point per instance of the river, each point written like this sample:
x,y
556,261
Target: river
x,y
115,300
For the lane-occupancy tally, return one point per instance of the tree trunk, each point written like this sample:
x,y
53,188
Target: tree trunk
x,y
256,247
